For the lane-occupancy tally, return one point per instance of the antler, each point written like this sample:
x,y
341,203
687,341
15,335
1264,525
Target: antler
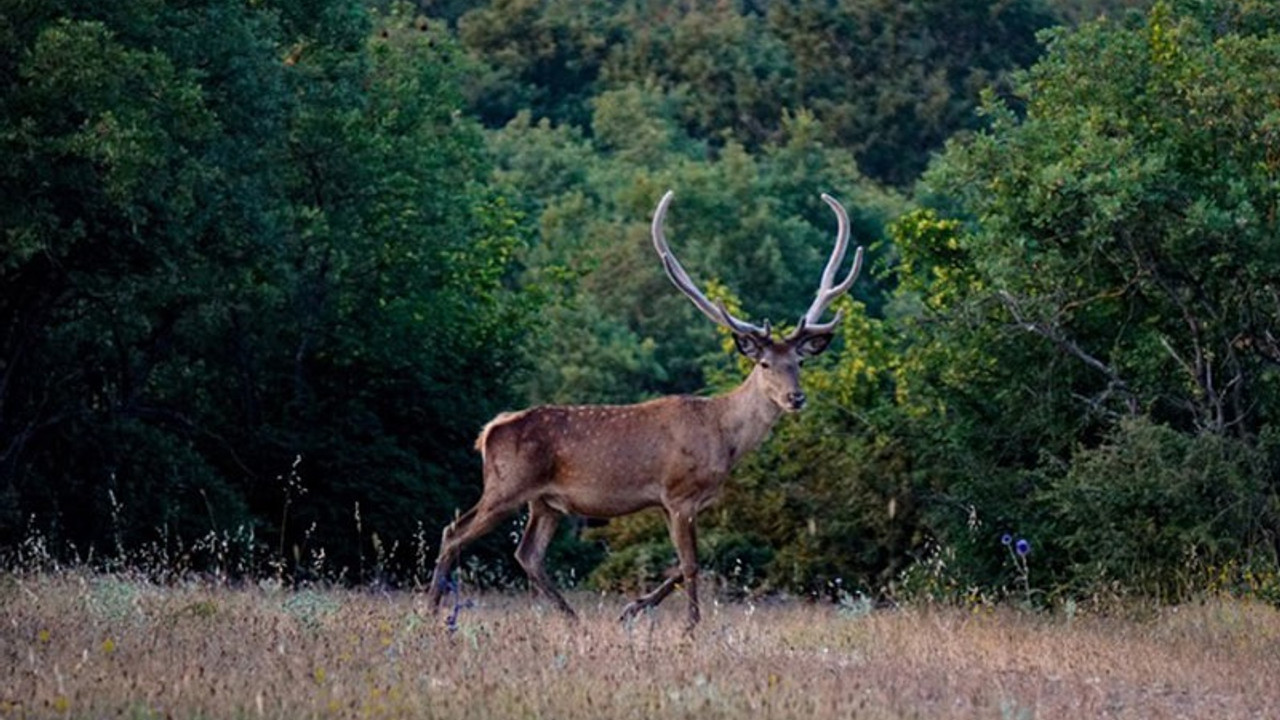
x,y
827,293
716,311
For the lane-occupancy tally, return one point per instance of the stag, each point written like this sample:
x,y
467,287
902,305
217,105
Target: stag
x,y
673,453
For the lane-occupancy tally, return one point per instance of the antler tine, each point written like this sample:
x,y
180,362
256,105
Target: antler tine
x,y
716,311
827,293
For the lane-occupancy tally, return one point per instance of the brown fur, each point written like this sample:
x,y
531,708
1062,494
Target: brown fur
x,y
674,453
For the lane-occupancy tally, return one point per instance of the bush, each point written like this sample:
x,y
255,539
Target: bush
x,y
1153,508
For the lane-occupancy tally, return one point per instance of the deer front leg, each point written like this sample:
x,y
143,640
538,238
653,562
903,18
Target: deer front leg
x,y
685,537
653,598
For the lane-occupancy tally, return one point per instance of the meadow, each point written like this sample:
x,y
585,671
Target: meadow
x,y
84,645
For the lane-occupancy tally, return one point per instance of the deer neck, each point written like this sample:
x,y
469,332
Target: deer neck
x,y
746,417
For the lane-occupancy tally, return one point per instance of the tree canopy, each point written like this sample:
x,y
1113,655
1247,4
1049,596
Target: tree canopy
x,y
243,271
267,268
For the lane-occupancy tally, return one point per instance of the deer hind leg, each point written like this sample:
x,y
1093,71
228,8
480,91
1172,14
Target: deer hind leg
x,y
653,598
470,525
532,551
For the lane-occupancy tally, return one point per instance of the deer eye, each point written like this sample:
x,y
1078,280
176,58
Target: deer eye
x,y
764,364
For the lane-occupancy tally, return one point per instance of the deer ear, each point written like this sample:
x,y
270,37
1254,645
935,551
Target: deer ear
x,y
813,345
749,345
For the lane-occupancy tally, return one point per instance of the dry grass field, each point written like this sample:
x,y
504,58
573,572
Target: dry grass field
x,y
93,646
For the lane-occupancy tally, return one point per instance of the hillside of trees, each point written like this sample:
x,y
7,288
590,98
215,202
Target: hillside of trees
x,y
268,267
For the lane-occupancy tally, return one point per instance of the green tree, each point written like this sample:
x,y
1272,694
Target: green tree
x,y
105,190
1129,218
893,80
228,250
889,81
544,57
1079,11
731,76
1113,263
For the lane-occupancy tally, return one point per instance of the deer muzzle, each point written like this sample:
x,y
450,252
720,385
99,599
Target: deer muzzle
x,y
795,400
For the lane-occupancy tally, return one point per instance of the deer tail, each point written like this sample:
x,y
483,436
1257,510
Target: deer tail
x,y
501,419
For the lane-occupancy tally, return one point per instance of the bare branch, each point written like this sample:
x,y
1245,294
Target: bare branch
x,y
1069,346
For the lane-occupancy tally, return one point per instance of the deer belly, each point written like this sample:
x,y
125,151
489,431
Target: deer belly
x,y
596,477
598,501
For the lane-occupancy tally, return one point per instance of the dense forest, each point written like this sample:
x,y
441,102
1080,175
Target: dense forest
x,y
268,266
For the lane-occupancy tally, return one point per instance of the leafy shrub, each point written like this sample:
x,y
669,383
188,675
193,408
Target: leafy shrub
x,y
1153,507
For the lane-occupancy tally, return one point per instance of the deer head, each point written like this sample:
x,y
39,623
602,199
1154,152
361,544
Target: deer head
x,y
777,361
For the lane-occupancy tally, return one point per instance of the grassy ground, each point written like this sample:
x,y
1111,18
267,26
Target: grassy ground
x,y
97,646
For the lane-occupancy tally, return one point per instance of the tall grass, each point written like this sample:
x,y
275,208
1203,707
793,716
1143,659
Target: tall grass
x,y
90,645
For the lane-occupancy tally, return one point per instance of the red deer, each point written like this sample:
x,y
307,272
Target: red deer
x,y
673,453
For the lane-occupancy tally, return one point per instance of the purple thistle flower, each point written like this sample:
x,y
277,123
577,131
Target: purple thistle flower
x,y
1022,547
1006,539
